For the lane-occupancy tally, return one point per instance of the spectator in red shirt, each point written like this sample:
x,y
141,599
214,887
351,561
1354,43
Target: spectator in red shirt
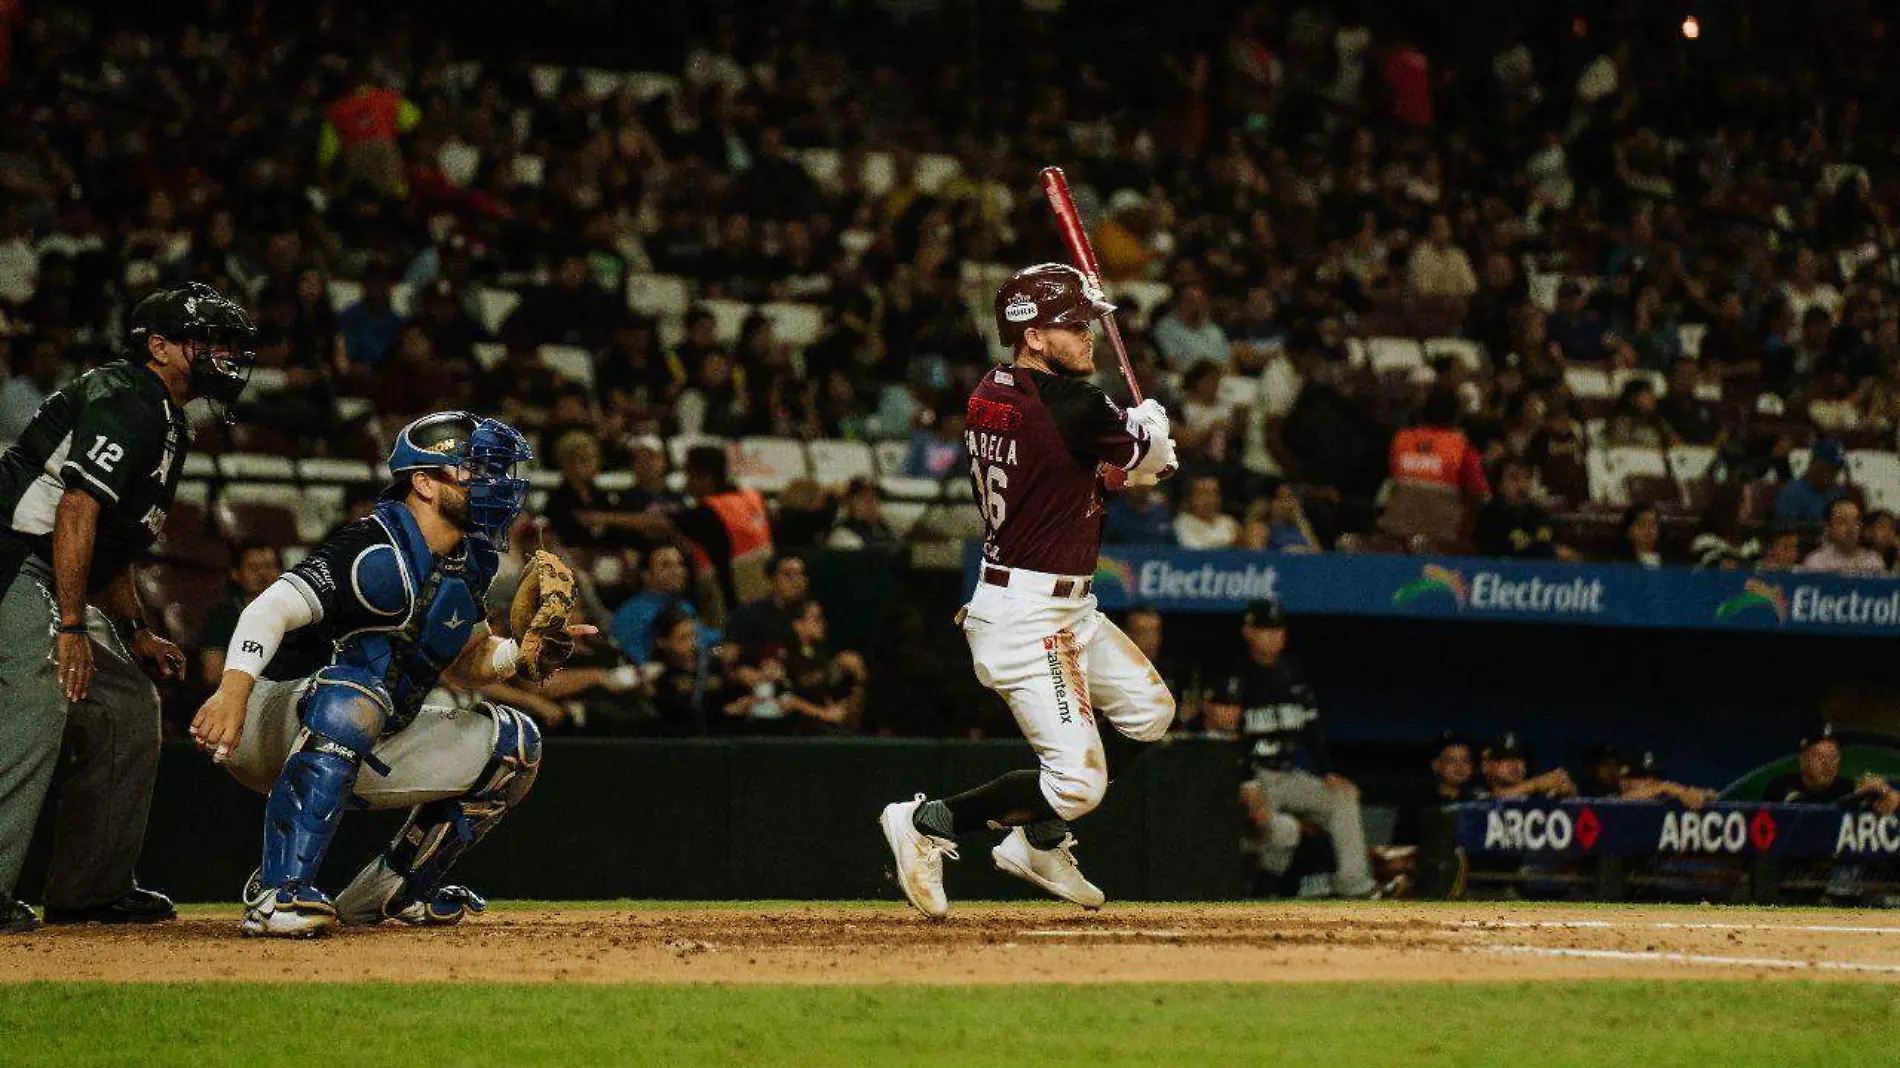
x,y
1437,452
1408,75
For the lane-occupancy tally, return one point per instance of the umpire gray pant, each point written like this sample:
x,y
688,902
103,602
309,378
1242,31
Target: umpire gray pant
x,y
110,740
1307,797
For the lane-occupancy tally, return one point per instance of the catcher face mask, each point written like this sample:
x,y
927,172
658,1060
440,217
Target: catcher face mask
x,y
495,495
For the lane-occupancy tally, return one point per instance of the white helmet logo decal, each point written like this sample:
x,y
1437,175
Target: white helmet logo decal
x,y
1020,310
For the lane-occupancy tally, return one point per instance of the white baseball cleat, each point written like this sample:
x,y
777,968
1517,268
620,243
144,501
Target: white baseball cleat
x,y
1055,870
289,911
919,858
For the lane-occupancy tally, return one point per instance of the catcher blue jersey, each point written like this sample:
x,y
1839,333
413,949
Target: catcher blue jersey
x,y
386,606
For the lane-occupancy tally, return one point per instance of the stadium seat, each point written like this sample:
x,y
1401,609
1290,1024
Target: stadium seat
x,y
1394,355
1140,298
615,481
488,353
459,160
184,595
645,85
1798,462
318,510
1691,462
1621,473
1470,353
679,445
878,173
1622,378
890,456
494,306
822,165
935,169
1241,391
253,467
602,83
343,292
1689,336
200,465
1877,473
949,522
661,295
898,487
529,170
547,79
250,512
1356,352
797,325
834,462
541,478
187,537
767,464
730,315
569,362
328,470
903,515
1588,383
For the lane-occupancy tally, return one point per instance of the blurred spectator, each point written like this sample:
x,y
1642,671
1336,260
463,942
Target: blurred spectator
x,y
650,492
1279,524
1878,535
254,566
663,582
1435,452
1556,454
369,326
1206,422
585,516
682,684
35,369
768,620
1440,268
1690,421
1840,552
1201,524
1507,773
1139,515
1782,551
1639,536
359,134
938,451
730,526
1720,541
1806,499
1511,524
1143,626
862,524
1636,422
1187,334
1580,333
572,309
830,686
1291,768
1644,782
411,380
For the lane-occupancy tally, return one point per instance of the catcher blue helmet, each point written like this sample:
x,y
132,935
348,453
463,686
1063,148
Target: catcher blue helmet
x,y
486,450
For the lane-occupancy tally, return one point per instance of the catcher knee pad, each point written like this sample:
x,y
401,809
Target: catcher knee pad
x,y
438,833
347,705
1074,792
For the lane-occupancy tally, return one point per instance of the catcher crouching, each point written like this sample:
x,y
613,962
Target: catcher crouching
x,y
320,706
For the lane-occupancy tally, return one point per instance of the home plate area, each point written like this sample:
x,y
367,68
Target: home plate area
x,y
846,943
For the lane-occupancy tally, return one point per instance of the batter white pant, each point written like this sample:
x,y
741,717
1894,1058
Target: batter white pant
x,y
1060,663
439,755
1307,797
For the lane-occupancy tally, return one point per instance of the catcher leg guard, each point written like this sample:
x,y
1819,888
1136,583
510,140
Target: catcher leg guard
x,y
342,718
406,882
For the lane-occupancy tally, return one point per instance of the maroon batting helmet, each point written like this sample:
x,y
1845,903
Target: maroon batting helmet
x,y
1045,295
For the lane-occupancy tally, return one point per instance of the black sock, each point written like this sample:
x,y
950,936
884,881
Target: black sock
x,y
1011,800
1121,751
1046,834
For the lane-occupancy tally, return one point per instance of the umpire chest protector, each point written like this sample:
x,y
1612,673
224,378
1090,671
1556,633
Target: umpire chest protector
x,y
428,606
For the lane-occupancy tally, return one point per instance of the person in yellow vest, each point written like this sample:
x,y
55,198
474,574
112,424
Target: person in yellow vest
x,y
730,526
360,130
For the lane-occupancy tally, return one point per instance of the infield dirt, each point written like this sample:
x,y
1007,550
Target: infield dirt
x,y
872,943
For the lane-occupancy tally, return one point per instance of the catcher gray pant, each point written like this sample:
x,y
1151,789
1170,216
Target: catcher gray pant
x,y
110,738
439,755
1307,797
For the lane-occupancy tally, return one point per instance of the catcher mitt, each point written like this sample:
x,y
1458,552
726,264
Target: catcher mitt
x,y
539,616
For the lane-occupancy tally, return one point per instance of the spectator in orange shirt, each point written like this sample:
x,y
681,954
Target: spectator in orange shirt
x,y
1436,452
360,129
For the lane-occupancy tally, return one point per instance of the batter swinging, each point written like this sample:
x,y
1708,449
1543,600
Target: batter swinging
x,y
1044,445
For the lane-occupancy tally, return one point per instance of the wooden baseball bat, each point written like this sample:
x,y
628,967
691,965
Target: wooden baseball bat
x,y
1056,188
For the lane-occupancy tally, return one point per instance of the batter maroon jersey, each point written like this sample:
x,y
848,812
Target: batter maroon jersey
x,y
1036,440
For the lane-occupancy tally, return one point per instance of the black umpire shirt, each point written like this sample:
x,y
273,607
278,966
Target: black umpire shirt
x,y
113,433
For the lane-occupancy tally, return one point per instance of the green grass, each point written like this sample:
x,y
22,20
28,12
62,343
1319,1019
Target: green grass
x,y
1587,1025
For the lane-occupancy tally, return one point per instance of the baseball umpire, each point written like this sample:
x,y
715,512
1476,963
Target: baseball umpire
x,y
86,489
321,705
1044,446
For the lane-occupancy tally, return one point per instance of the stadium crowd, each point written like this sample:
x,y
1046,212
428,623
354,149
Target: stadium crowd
x,y
1530,297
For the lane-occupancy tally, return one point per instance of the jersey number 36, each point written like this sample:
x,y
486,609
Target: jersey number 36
x,y
991,486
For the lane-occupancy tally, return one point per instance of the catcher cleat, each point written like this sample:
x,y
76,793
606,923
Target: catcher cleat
x,y
445,908
1054,870
919,858
288,911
